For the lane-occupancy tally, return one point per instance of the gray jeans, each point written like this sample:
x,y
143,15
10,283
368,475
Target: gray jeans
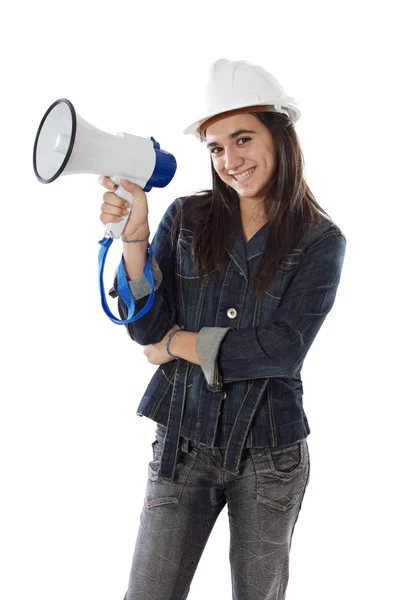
x,y
264,500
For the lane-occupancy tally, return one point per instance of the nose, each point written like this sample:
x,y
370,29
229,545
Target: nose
x,y
232,160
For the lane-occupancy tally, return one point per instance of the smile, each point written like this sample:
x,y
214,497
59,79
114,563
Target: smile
x,y
244,175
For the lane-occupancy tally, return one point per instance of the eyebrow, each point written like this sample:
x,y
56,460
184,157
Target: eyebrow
x,y
232,136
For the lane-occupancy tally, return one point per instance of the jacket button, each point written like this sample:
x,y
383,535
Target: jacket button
x,y
231,312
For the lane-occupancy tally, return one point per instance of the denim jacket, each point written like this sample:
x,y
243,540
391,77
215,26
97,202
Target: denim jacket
x,y
247,390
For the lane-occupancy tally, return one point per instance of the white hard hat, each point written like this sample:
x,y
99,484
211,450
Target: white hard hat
x,y
240,84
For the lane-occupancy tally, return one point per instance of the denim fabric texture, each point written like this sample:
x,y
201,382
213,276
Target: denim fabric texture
x,y
264,500
252,396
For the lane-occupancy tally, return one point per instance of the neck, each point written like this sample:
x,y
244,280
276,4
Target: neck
x,y
252,210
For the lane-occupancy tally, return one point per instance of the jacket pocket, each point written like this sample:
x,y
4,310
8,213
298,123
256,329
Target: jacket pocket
x,y
281,474
185,265
192,289
283,277
158,390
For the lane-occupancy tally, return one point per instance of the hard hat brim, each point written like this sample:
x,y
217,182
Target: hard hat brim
x,y
291,108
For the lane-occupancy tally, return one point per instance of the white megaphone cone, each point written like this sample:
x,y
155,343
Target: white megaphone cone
x,y
66,144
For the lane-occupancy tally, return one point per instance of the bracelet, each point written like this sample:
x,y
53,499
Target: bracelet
x,y
169,340
133,241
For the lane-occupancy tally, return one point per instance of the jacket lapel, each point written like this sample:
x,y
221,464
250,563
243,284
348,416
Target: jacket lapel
x,y
238,251
242,253
257,243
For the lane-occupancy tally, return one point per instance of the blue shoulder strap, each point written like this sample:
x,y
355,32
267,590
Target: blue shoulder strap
x,y
123,286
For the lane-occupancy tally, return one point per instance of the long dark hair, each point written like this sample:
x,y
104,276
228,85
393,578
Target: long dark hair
x,y
289,204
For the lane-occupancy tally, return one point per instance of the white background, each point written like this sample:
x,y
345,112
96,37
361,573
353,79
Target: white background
x,y
74,454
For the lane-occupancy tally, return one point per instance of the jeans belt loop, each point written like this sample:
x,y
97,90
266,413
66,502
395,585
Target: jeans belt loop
x,y
185,445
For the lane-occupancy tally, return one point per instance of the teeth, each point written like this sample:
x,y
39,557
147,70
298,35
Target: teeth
x,y
244,175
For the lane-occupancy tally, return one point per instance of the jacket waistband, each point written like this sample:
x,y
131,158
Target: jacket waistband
x,y
236,441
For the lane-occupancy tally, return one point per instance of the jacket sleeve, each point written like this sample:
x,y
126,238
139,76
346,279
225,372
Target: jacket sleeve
x,y
153,326
279,349
140,288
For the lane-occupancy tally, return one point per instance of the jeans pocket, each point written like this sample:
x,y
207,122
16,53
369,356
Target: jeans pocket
x,y
160,491
281,474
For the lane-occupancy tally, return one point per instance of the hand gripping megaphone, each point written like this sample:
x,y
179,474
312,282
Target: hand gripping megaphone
x,y
66,144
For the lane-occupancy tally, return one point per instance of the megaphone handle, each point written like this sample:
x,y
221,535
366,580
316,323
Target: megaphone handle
x,y
116,229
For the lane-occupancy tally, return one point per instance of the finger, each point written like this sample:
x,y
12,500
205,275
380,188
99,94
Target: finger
x,y
113,200
148,352
111,209
106,182
130,187
106,218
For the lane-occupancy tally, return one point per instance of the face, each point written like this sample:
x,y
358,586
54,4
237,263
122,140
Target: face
x,y
243,154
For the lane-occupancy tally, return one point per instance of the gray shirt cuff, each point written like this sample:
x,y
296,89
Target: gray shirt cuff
x,y
141,287
207,346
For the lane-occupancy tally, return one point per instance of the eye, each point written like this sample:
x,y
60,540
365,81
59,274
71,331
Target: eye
x,y
243,140
215,150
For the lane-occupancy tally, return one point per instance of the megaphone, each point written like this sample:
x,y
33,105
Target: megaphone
x,y
66,144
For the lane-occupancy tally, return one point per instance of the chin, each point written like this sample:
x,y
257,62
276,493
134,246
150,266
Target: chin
x,y
249,194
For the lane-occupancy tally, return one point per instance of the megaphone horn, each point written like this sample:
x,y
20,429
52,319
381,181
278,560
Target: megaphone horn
x,y
66,144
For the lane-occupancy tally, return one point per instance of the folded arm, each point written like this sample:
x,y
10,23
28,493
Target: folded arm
x,y
279,349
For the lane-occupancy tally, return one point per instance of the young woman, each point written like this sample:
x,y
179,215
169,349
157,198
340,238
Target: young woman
x,y
245,274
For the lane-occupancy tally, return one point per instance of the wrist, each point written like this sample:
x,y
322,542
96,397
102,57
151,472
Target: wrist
x,y
169,339
134,239
141,232
184,346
